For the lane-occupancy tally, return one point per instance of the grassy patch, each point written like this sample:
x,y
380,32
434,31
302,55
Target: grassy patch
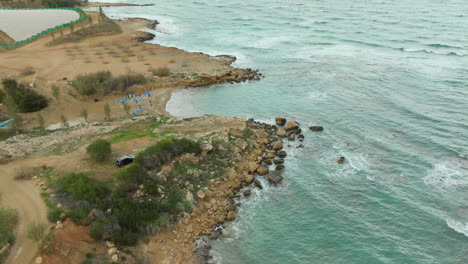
x,y
8,221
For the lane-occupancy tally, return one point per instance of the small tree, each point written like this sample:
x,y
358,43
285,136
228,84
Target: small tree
x,y
55,91
64,121
99,150
41,121
126,108
107,111
84,114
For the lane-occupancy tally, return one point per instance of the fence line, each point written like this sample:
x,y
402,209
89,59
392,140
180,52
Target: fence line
x,y
83,17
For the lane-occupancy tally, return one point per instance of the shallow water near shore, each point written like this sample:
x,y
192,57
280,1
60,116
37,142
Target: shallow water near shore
x,y
389,82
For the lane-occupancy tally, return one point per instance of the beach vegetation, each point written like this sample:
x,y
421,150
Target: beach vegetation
x,y
8,222
26,100
160,71
38,233
55,91
61,3
99,150
107,111
84,114
104,83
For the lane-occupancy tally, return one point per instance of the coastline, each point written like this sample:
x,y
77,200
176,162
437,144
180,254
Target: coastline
x,y
163,90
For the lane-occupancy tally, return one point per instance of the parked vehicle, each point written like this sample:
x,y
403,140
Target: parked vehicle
x,y
124,160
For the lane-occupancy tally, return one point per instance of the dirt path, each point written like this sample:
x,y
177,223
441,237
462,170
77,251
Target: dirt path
x,y
25,197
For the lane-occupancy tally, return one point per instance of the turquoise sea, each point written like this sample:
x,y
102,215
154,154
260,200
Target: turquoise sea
x,y
388,79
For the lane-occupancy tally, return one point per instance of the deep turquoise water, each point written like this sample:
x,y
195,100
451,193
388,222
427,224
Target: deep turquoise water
x,y
389,82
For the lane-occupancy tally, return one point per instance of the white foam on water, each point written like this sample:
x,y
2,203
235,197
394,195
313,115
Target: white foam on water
x,y
457,226
180,104
447,175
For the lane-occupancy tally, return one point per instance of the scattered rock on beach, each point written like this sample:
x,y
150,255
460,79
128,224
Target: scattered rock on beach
x,y
258,184
249,178
281,133
282,154
291,125
231,216
275,177
301,138
316,128
279,167
280,121
247,193
279,161
278,145
201,194
262,170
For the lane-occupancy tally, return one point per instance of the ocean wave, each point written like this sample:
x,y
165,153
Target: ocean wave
x,y
443,46
458,226
432,52
447,175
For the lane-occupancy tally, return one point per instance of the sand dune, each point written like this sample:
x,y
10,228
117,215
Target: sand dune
x,y
22,24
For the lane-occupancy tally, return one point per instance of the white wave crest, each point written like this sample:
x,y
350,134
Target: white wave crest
x,y
457,226
447,175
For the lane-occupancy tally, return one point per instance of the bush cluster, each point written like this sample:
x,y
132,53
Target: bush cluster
x,y
8,220
131,217
104,83
99,150
27,100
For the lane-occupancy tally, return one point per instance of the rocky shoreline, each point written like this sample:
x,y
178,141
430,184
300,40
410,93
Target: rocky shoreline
x,y
234,76
259,155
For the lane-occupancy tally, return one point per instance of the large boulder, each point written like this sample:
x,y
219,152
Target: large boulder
x,y
278,145
316,128
249,178
282,154
281,133
262,170
291,125
231,216
278,161
258,184
275,177
268,162
270,154
201,194
280,121
112,251
279,167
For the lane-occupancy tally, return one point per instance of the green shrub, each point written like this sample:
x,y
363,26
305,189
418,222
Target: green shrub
x,y
97,230
8,221
99,150
27,100
164,152
81,187
54,214
104,83
79,214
